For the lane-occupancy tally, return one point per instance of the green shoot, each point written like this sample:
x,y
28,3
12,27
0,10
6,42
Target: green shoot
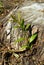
x,y
16,27
19,17
32,38
27,26
1,4
23,47
19,40
24,29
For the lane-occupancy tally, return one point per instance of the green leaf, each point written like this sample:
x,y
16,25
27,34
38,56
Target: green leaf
x,y
19,17
16,27
23,47
19,40
22,24
32,38
1,7
1,4
27,26
14,18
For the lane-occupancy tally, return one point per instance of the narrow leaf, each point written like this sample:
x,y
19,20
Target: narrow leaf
x,y
16,27
22,24
19,16
1,4
19,40
27,26
23,47
14,18
32,38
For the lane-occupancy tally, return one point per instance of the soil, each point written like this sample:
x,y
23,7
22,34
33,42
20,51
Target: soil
x,y
34,56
